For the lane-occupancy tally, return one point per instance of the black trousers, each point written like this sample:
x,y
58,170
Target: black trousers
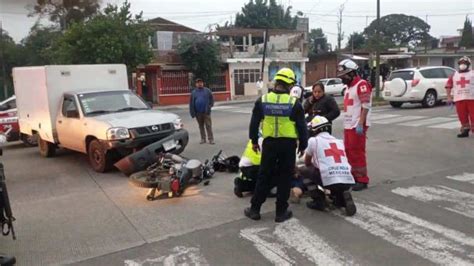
x,y
279,153
250,174
314,175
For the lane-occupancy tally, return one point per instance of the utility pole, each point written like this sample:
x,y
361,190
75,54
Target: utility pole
x,y
4,71
265,41
339,28
377,52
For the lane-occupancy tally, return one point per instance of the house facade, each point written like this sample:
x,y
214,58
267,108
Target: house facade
x,y
242,50
166,80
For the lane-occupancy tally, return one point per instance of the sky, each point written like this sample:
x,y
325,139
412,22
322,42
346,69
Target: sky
x,y
444,16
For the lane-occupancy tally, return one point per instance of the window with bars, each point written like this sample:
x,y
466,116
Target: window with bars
x,y
246,75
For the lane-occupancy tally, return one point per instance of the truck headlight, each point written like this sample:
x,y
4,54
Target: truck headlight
x,y
178,124
117,133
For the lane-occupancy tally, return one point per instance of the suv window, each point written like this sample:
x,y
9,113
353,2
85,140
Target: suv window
x,y
331,82
405,75
69,105
338,81
448,71
433,73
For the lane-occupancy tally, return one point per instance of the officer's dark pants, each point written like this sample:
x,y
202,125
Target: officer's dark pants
x,y
279,153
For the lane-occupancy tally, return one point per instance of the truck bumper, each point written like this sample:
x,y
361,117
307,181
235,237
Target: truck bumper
x,y
143,158
180,136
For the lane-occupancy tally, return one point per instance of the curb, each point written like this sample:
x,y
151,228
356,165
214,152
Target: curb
x,y
186,106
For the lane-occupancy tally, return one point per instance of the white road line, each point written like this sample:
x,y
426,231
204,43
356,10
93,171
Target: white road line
x,y
455,115
293,235
273,252
431,241
374,117
222,107
310,245
241,111
457,201
181,256
466,177
450,125
427,122
399,119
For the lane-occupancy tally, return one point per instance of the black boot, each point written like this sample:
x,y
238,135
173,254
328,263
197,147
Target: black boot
x,y
359,186
281,217
7,260
237,188
252,214
464,133
319,201
349,203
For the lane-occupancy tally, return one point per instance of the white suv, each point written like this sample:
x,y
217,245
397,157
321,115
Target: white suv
x,y
423,85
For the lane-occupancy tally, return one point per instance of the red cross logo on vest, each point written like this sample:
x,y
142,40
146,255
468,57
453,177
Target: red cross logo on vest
x,y
334,152
347,102
462,82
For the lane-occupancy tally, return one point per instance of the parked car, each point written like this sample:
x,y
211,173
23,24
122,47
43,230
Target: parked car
x,y
9,120
332,86
423,85
89,109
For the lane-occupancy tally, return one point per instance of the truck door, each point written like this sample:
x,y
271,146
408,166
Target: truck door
x,y
69,125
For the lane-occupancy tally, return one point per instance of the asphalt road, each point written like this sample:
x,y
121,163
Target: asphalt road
x,y
418,209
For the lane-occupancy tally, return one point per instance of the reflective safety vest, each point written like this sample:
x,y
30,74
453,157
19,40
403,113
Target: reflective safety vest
x,y
277,111
254,157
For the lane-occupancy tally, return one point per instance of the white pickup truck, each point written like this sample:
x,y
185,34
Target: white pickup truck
x,y
89,109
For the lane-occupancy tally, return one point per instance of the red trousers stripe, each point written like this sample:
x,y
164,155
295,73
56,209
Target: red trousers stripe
x,y
465,110
356,155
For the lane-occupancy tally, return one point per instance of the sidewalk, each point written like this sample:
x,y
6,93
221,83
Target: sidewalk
x,y
240,100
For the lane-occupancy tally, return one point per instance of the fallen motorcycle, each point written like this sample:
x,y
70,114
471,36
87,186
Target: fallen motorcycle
x,y
171,174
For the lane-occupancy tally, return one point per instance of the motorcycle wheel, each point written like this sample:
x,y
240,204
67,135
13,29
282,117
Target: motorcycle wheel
x,y
143,180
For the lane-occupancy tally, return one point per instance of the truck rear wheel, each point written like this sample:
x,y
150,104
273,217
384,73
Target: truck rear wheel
x,y
29,141
47,149
99,159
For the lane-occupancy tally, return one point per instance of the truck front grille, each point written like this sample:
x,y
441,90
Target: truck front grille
x,y
152,130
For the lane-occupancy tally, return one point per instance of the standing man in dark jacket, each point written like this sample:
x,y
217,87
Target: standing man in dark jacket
x,y
319,103
200,105
283,126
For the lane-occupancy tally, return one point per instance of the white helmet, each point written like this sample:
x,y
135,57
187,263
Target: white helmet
x,y
346,66
296,92
465,60
319,124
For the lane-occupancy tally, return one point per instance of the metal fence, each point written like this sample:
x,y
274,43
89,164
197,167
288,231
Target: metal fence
x,y
180,82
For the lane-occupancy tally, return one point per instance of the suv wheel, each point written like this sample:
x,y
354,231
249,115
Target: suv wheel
x,y
396,104
99,159
430,99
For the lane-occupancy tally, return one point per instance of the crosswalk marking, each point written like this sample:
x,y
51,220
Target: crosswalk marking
x,y
449,125
399,119
312,246
459,202
431,241
180,255
273,252
427,122
293,235
466,177
374,117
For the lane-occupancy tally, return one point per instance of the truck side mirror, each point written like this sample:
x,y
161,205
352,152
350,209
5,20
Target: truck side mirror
x,y
72,114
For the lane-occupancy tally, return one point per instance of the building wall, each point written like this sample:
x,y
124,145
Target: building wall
x,y
319,68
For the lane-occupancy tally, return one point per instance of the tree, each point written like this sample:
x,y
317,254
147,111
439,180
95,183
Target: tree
x,y
254,15
201,56
397,30
38,45
318,42
10,56
356,41
113,36
66,12
467,39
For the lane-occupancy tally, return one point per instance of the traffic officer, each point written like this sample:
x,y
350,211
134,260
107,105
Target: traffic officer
x,y
282,119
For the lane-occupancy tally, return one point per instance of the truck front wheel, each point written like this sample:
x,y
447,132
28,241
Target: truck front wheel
x,y
47,149
99,159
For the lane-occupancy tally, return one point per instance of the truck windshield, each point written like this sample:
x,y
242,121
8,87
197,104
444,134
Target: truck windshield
x,y
110,102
